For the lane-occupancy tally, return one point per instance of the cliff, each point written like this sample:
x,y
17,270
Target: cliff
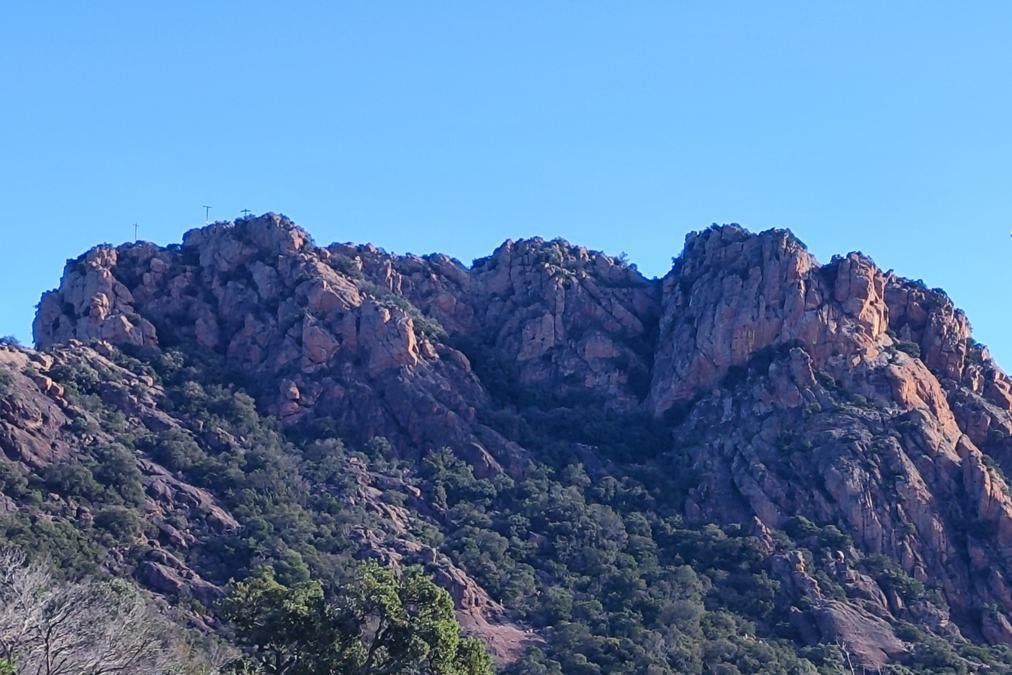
x,y
800,402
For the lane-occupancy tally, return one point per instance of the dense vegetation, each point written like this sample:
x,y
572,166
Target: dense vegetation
x,y
589,548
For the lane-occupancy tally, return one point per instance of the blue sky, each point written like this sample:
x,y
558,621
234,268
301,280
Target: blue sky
x,y
450,126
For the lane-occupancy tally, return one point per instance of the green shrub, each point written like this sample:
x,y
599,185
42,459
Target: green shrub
x,y
115,468
120,522
889,574
72,480
7,381
175,449
910,348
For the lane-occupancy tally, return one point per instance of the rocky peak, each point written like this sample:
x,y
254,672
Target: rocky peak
x,y
733,294
570,318
270,233
783,386
554,316
549,311
941,332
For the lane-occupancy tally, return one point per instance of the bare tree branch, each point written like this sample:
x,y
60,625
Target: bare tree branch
x,y
49,628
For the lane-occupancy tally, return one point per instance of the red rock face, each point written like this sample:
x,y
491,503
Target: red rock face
x,y
904,474
345,318
262,296
733,295
561,316
838,391
31,422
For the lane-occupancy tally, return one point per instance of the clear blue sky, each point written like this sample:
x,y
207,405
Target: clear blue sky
x,y
421,126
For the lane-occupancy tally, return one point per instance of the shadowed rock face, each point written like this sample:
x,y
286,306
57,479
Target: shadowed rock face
x,y
561,316
839,392
364,337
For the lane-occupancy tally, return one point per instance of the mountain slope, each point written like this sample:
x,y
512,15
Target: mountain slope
x,y
757,461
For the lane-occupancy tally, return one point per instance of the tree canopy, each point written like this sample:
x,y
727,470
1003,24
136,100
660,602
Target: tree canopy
x,y
380,624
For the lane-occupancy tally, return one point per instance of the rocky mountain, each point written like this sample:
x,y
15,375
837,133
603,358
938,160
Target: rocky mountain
x,y
758,463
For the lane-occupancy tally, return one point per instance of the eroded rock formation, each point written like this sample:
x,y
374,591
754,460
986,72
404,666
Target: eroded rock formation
x,y
835,391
